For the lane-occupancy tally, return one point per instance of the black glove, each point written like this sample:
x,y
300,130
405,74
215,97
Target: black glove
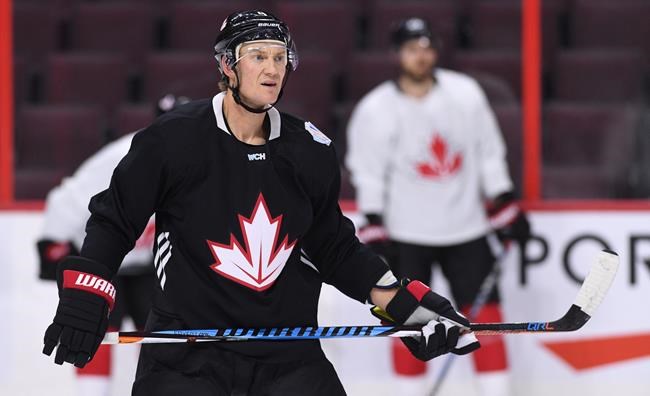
x,y
50,253
86,298
375,236
444,330
508,220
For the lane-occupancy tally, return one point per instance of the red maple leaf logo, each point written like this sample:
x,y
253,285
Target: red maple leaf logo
x,y
441,163
258,264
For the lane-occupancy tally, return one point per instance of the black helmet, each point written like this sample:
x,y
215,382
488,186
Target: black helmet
x,y
411,28
244,26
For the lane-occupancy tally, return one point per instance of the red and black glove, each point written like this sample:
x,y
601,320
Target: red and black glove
x,y
50,253
508,220
86,298
444,330
375,236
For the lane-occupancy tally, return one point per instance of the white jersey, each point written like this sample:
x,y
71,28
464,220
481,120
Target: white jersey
x,y
66,206
428,164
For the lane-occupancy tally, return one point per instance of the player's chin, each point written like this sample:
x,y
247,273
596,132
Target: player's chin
x,y
268,94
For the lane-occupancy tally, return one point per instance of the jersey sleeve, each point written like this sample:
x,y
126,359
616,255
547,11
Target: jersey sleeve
x,y
120,213
494,175
340,258
369,136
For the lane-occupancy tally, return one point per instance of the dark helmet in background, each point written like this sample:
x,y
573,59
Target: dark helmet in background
x,y
246,26
413,28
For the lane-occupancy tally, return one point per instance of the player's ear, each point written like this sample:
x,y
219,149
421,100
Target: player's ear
x,y
229,72
227,69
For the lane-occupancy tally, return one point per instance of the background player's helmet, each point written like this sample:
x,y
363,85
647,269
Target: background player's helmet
x,y
170,102
241,27
412,28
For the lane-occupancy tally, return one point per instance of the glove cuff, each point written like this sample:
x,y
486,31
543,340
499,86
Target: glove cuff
x,y
372,233
504,210
88,276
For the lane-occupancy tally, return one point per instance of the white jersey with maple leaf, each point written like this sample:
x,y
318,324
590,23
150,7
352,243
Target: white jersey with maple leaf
x,y
427,164
245,234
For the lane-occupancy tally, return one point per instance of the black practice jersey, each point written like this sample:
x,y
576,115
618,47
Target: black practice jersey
x,y
245,234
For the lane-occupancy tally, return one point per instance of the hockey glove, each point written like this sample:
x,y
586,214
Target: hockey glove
x,y
50,253
86,298
375,236
508,220
444,330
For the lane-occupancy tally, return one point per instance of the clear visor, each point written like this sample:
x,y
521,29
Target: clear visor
x,y
262,50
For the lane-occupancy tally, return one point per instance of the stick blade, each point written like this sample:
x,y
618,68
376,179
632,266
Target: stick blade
x,y
597,282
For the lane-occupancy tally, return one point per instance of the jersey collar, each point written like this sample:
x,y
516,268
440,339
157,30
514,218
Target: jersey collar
x,y
217,107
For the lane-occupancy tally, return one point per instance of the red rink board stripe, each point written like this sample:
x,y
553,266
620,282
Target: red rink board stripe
x,y
595,352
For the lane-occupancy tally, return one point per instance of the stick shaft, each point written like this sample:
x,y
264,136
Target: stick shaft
x,y
272,334
589,297
308,333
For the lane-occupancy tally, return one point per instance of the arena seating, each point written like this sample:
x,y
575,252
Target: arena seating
x,y
586,75
51,141
497,25
581,137
87,78
120,56
127,28
611,24
509,118
193,25
58,136
132,117
36,30
191,74
366,70
502,64
312,86
321,26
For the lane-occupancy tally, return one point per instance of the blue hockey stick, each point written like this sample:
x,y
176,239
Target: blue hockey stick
x,y
591,294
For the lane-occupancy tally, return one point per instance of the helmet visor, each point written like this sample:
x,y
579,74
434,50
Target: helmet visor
x,y
260,51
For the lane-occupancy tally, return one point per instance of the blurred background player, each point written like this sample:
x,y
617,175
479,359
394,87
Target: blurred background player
x,y
427,157
65,216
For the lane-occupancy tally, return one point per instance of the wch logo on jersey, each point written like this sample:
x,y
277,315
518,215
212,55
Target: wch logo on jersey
x,y
257,157
260,261
440,162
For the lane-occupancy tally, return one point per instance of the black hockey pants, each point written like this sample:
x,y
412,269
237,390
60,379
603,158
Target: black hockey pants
x,y
202,369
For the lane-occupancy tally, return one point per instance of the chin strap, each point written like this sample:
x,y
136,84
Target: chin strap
x,y
239,101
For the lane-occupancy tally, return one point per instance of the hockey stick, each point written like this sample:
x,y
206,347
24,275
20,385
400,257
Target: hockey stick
x,y
591,293
481,298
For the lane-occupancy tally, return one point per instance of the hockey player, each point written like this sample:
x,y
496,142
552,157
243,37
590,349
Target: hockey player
x,y
247,228
425,153
65,217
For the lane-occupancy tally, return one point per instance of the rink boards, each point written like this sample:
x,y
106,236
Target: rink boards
x,y
611,354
